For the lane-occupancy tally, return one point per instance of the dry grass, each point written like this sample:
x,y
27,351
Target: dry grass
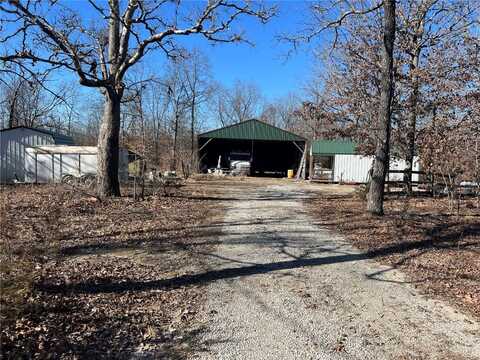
x,y
439,251
83,278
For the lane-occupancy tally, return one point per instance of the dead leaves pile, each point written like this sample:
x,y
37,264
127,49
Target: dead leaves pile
x,y
439,251
97,270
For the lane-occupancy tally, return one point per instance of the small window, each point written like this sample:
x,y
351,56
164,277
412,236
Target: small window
x,y
324,162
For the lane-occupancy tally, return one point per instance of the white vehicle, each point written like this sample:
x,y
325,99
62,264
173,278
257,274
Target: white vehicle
x,y
240,164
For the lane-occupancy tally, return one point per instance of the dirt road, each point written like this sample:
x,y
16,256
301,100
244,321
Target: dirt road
x,y
282,287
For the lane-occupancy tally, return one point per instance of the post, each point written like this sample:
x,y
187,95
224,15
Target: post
x,y
310,164
53,167
304,169
36,167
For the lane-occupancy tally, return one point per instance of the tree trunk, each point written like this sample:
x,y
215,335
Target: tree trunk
x,y
12,116
192,149
173,164
412,122
377,185
108,148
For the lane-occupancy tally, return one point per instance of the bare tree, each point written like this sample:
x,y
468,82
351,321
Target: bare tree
x,y
382,152
179,101
101,54
281,112
425,25
332,15
157,105
199,87
242,102
26,101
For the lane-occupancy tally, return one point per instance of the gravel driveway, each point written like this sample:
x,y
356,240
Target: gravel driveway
x,y
284,288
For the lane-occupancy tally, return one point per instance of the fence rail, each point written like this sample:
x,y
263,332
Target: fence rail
x,y
429,180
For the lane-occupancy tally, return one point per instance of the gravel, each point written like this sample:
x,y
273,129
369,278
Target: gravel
x,y
286,288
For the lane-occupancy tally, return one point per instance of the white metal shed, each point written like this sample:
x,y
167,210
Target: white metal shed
x,y
335,160
49,163
13,142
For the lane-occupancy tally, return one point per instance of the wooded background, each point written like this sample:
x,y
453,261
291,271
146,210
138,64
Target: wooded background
x,y
435,73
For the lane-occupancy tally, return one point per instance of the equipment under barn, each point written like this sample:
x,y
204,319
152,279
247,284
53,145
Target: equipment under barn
x,y
261,148
13,142
337,161
44,164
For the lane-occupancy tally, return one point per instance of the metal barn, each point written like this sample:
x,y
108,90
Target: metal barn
x,y
50,163
271,151
337,161
13,142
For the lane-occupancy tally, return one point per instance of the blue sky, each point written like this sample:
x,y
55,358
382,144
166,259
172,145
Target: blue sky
x,y
266,63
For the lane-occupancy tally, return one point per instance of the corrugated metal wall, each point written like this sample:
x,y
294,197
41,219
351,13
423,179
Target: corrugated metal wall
x,y
354,168
351,168
44,168
12,151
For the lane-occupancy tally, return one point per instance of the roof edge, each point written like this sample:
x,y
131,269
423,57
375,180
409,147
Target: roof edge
x,y
45,131
333,143
250,120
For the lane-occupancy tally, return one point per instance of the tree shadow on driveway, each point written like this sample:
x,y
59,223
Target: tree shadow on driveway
x,y
106,286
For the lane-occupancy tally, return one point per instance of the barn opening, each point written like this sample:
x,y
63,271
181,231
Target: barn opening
x,y
259,148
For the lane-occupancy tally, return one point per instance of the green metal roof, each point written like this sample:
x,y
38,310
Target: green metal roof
x,y
252,130
330,147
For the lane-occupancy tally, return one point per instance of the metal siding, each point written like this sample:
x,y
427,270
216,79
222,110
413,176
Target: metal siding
x,y
44,168
40,163
352,168
70,164
88,164
12,151
252,130
30,163
63,139
57,167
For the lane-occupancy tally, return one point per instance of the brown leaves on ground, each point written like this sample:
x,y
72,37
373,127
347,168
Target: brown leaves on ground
x,y
439,251
95,269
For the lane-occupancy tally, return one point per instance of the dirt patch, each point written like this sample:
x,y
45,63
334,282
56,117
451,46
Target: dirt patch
x,y
439,252
94,273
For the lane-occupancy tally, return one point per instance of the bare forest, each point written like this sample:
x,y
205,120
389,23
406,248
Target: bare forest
x,y
128,268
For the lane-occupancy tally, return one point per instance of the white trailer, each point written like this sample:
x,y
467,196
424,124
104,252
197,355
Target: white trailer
x,y
45,164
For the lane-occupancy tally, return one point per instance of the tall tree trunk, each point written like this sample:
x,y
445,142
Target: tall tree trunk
x,y
12,116
108,138
173,164
377,186
412,121
192,130
108,147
